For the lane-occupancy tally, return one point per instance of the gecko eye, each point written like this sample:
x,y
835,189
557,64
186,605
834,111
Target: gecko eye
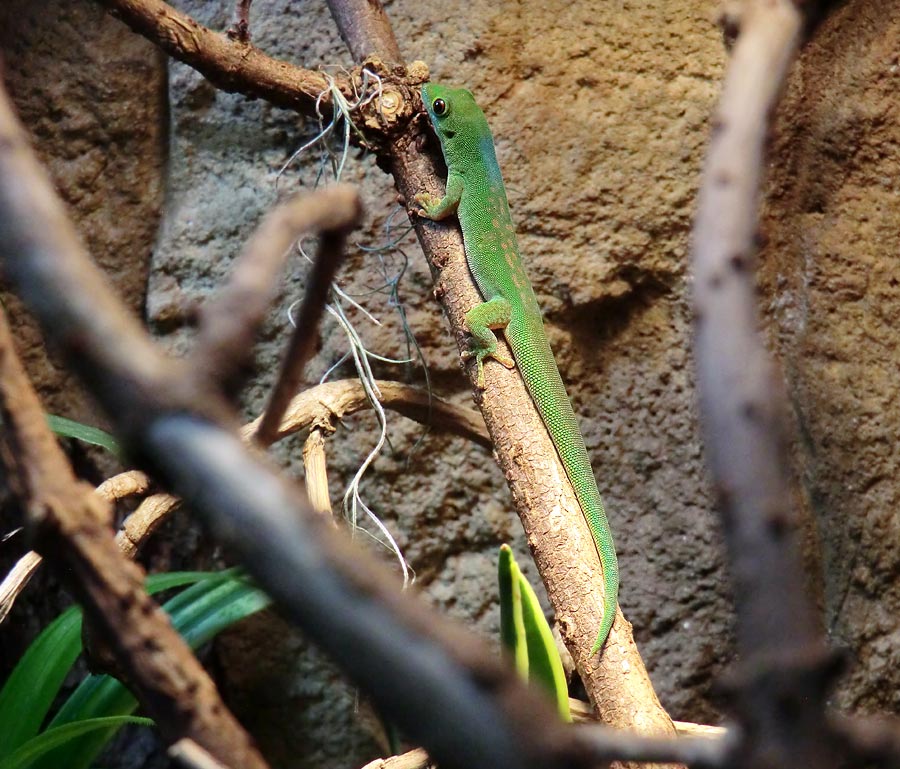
x,y
439,106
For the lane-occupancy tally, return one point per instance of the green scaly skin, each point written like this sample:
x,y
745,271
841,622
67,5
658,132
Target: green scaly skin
x,y
475,192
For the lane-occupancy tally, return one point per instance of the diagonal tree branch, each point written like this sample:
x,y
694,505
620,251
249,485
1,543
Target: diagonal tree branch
x,y
557,532
329,256
229,64
69,523
229,321
438,683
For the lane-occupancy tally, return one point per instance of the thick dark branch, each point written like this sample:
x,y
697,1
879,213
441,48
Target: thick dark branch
x,y
230,320
69,523
231,65
439,684
784,670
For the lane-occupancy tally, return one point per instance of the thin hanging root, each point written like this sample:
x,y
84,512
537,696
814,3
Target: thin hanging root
x,y
341,112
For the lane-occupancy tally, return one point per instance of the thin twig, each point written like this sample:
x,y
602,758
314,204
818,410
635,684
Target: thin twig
x,y
118,487
344,205
146,519
240,31
326,404
131,483
315,471
785,670
14,582
230,320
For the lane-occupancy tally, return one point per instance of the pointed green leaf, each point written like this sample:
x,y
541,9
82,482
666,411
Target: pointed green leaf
x,y
50,739
544,663
198,613
512,628
69,428
525,632
35,681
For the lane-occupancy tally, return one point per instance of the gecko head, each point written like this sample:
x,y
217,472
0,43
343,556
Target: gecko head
x,y
457,119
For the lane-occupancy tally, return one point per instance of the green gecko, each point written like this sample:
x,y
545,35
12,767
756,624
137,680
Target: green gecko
x,y
475,192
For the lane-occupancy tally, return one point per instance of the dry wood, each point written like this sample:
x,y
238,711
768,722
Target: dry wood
x,y
231,65
230,320
326,404
342,206
315,471
781,682
68,521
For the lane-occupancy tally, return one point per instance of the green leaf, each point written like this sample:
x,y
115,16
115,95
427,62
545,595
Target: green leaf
x,y
53,738
198,613
525,632
512,627
544,663
69,428
35,681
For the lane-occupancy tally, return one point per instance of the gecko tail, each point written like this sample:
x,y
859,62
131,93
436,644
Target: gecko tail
x,y
610,603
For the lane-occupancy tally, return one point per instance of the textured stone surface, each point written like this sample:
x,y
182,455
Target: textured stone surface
x,y
599,110
93,97
830,272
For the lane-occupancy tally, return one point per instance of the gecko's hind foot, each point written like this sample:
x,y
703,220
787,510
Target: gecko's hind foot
x,y
480,355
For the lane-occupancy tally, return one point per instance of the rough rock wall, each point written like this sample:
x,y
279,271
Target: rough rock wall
x,y
94,100
599,110
829,273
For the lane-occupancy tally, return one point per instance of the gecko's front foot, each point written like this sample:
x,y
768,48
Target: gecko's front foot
x,y
426,203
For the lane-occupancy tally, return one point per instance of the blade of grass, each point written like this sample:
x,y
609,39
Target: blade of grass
x,y
198,613
512,629
544,663
69,428
51,739
35,682
525,632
